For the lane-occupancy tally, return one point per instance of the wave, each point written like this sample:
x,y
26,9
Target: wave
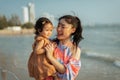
x,y
4,73
109,58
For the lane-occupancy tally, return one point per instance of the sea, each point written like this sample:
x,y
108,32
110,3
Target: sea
x,y
100,57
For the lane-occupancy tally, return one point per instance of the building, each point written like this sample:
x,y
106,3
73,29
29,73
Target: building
x,y
29,13
25,15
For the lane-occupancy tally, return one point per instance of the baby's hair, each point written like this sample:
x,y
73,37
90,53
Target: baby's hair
x,y
40,23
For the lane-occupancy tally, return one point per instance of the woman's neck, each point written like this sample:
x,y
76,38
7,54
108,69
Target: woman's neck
x,y
66,42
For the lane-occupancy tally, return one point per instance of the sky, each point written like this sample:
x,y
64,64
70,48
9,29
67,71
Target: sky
x,y
90,12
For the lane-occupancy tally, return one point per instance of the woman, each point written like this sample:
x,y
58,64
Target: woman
x,y
67,53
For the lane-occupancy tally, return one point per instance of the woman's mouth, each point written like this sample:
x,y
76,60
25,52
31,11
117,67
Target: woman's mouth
x,y
59,34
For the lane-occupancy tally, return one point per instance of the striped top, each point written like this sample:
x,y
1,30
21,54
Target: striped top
x,y
64,56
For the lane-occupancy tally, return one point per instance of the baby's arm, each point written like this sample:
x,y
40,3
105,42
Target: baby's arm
x,y
39,47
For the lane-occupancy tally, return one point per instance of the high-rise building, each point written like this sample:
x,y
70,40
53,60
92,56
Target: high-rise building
x,y
25,15
29,13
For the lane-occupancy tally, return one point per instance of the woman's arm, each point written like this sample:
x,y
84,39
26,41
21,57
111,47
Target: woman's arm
x,y
49,51
59,67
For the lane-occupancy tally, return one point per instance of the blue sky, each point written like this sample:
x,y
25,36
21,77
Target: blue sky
x,y
89,11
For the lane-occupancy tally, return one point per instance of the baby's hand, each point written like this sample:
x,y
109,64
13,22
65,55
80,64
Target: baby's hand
x,y
54,44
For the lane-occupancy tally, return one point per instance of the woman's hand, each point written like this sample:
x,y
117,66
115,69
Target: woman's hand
x,y
49,50
49,53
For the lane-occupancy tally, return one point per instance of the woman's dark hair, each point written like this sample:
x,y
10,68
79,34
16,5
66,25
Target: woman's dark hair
x,y
75,21
40,23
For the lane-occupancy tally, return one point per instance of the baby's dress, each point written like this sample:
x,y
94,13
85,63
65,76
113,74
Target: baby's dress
x,y
39,66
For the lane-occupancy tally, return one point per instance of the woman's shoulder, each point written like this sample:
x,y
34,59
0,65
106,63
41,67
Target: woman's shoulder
x,y
79,49
77,53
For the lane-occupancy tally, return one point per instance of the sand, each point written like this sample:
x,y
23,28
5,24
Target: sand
x,y
13,32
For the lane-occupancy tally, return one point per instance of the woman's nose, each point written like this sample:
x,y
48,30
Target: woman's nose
x,y
58,28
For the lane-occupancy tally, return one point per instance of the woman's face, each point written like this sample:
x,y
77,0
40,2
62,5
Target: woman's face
x,y
64,30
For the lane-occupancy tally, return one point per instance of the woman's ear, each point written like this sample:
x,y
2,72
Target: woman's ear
x,y
73,30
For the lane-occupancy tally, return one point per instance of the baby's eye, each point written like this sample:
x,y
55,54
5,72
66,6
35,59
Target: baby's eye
x,y
46,30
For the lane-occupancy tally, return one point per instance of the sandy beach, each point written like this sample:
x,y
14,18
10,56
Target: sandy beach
x,y
92,69
13,32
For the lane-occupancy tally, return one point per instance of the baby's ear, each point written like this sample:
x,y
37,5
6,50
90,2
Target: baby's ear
x,y
39,30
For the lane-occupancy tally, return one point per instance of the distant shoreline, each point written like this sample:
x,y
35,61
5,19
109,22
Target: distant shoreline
x,y
13,32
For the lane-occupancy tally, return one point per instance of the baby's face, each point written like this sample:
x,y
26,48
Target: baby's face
x,y
47,30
